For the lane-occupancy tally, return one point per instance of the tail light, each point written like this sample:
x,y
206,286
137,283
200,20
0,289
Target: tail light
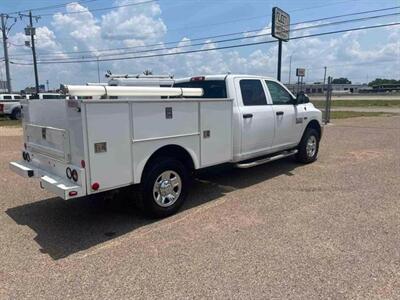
x,y
73,193
68,173
74,175
1,107
83,164
95,186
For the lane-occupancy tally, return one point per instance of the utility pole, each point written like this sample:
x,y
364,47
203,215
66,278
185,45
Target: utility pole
x,y
290,68
325,75
5,47
31,31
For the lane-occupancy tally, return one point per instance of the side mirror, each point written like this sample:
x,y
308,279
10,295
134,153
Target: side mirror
x,y
302,98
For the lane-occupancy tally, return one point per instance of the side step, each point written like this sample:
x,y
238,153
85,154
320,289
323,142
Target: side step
x,y
266,160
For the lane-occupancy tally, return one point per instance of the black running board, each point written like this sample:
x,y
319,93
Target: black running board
x,y
262,161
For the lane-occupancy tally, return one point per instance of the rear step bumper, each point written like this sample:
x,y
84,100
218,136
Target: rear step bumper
x,y
266,160
54,184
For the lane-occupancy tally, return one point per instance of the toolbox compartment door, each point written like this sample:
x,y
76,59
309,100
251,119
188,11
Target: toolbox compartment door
x,y
216,132
109,144
48,141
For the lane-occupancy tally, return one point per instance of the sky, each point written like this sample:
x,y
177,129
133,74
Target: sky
x,y
85,26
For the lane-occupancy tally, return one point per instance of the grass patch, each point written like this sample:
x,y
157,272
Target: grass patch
x,y
358,103
355,114
4,121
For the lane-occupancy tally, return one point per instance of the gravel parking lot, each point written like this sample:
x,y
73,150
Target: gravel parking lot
x,y
283,230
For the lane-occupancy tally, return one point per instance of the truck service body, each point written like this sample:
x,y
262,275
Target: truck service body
x,y
84,147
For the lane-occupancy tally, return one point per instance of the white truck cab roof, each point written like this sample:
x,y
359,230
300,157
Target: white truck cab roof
x,y
8,97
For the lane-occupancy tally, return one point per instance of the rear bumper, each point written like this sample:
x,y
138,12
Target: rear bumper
x,y
59,186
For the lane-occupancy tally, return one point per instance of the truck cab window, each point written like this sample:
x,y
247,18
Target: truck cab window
x,y
211,88
252,92
278,94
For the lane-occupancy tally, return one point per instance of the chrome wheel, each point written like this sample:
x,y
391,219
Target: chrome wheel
x,y
167,188
311,146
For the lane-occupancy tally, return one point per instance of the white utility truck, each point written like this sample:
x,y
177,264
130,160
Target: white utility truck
x,y
10,106
155,138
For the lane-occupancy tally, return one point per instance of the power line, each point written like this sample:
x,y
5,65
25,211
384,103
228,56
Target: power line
x,y
50,6
231,39
225,35
216,48
355,64
101,9
261,17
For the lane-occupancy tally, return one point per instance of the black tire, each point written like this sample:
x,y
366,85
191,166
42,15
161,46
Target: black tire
x,y
16,114
170,167
308,156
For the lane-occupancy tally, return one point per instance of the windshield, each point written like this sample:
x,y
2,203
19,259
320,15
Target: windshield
x,y
211,88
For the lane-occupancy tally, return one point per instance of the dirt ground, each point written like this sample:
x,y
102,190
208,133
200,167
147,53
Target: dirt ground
x,y
330,229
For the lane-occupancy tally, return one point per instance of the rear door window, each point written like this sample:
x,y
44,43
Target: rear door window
x,y
211,88
252,92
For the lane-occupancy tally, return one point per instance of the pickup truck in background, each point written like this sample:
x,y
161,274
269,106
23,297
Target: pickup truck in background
x,y
10,106
155,138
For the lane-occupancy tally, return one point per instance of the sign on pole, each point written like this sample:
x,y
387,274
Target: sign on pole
x,y
300,72
280,24
280,30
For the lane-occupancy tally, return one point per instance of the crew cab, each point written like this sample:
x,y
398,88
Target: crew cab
x,y
10,106
155,138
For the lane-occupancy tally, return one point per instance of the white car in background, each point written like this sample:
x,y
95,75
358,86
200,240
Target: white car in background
x,y
10,106
45,96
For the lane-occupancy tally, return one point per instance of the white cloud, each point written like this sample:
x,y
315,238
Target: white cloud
x,y
133,22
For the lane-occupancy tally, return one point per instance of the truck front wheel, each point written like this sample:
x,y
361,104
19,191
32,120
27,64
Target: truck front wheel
x,y
308,147
164,188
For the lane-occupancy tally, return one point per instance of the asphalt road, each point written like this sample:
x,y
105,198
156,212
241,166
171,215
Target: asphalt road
x,y
326,230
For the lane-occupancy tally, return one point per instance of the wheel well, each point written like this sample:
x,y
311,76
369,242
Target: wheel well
x,y
315,125
171,151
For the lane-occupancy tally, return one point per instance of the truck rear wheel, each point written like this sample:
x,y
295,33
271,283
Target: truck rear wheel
x,y
308,147
165,187
16,114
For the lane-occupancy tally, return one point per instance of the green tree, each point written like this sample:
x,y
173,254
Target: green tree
x,y
341,80
380,81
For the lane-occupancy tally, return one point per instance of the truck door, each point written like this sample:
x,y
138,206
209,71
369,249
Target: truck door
x,y
257,117
287,127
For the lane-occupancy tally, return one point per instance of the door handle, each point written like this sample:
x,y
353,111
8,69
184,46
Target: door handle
x,y
279,113
247,116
